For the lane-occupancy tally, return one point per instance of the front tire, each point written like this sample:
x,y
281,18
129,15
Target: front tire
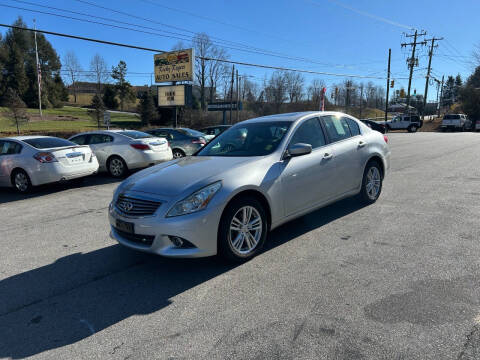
x,y
372,183
243,230
117,167
21,181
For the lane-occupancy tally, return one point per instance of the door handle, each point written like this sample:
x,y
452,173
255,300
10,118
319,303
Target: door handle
x,y
361,143
327,156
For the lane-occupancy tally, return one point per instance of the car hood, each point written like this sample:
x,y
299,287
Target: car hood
x,y
174,177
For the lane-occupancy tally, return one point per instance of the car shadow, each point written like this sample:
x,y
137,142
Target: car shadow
x,y
80,294
10,195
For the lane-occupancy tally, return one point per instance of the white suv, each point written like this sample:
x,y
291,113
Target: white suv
x,y
455,122
404,122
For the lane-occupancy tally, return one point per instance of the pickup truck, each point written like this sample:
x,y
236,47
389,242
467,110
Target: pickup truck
x,y
411,123
455,122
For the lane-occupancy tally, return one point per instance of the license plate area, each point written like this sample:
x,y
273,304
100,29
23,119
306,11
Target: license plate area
x,y
127,227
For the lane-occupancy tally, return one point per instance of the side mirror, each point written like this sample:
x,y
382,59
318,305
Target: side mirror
x,y
298,150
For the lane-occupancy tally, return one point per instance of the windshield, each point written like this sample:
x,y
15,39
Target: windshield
x,y
451,117
135,134
190,132
48,142
250,139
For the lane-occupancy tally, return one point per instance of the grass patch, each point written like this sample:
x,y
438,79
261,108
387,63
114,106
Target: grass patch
x,y
63,122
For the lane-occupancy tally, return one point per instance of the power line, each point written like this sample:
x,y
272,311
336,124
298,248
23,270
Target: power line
x,y
200,57
169,36
213,20
364,13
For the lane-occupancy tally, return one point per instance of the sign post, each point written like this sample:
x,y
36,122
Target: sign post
x,y
324,90
106,119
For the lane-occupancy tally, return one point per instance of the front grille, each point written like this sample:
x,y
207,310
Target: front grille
x,y
135,207
136,238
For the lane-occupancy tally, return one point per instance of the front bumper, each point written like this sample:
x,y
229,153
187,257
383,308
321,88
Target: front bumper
x,y
199,228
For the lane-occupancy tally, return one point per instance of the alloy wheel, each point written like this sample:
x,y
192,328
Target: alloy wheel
x,y
116,167
245,230
21,181
373,183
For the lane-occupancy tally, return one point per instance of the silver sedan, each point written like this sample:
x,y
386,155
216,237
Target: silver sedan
x,y
121,150
27,161
252,178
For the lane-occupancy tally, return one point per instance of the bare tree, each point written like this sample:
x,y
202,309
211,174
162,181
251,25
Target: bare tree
x,y
18,109
295,82
476,55
100,73
180,45
276,90
216,69
203,46
315,92
73,68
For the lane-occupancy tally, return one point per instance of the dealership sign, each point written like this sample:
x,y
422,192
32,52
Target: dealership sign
x,y
174,66
175,95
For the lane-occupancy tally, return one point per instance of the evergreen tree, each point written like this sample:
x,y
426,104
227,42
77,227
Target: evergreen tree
x,y
449,91
147,109
457,86
97,110
470,96
109,97
123,87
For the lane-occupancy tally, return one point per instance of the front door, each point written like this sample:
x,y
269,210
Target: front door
x,y
307,180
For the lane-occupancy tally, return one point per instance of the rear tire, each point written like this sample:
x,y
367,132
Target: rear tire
x,y
243,230
412,129
177,153
117,167
371,183
21,181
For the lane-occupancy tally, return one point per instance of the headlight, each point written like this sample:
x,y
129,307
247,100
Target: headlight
x,y
195,202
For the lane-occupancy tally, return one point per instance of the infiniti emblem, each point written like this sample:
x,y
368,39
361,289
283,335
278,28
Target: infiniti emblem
x,y
125,205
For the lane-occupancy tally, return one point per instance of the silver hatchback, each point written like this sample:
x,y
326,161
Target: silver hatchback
x,y
250,179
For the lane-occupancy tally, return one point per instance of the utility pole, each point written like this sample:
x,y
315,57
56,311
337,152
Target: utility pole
x,y
231,92
238,96
441,96
430,54
412,61
388,86
39,72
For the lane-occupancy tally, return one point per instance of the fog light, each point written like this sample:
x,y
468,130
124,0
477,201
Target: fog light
x,y
181,242
177,241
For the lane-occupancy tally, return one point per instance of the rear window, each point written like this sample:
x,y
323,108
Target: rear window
x,y
135,134
451,117
48,142
190,132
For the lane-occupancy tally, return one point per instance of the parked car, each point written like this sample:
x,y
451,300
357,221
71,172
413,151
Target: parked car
x,y
226,199
375,125
477,125
27,161
455,122
183,141
121,150
411,123
212,131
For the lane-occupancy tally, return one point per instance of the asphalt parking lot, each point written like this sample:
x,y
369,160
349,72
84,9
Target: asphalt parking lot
x,y
395,280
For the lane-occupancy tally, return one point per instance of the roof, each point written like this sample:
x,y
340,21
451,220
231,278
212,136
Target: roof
x,y
293,116
26,137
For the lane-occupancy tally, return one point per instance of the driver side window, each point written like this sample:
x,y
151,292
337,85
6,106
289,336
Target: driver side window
x,y
309,132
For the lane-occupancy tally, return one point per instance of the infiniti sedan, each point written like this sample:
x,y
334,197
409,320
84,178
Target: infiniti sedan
x,y
250,179
121,150
27,161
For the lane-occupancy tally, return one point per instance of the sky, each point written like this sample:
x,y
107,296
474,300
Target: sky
x,y
341,37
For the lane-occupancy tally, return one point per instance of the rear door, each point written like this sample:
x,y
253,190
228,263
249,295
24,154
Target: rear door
x,y
9,158
307,180
348,147
101,144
